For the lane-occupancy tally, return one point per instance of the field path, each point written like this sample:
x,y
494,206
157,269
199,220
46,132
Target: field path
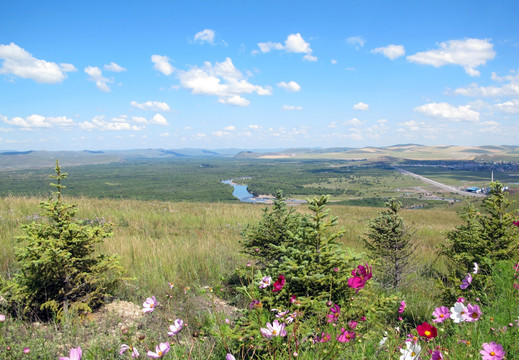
x,y
437,184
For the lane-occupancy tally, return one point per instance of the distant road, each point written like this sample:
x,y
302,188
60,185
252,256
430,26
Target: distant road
x,y
437,184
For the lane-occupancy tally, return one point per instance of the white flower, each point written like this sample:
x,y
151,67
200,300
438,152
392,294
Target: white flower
x,y
457,312
411,352
276,329
384,339
265,282
476,268
175,328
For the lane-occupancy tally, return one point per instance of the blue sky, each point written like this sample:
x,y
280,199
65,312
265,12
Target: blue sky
x,y
101,75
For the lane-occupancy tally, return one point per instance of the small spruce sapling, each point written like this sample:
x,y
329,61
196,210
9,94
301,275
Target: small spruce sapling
x,y
60,269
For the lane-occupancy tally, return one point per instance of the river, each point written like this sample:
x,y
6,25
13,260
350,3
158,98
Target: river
x,y
241,192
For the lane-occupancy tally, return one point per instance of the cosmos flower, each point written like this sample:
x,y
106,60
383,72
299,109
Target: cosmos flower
x,y
427,330
276,329
176,327
335,311
149,305
473,313
402,307
411,352
457,312
345,336
441,314
476,268
278,285
360,276
160,350
124,348
265,282
492,351
75,354
466,282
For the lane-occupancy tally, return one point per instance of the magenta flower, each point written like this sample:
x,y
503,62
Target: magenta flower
x,y
466,282
516,223
278,285
160,350
335,311
293,299
492,351
276,329
176,327
402,307
26,350
441,314
230,357
149,305
352,324
345,336
75,354
436,355
472,313
124,348
324,338
360,276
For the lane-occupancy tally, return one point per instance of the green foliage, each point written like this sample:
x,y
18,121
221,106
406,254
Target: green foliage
x,y
264,240
484,238
60,271
390,242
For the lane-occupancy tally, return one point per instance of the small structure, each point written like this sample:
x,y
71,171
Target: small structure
x,y
474,189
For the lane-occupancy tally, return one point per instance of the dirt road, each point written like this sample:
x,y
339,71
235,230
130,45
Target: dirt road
x,y
437,184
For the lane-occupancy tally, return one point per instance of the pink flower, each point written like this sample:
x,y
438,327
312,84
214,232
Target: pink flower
x,y
75,354
466,282
360,276
278,285
26,350
325,338
516,223
176,327
293,299
345,336
160,350
441,314
427,330
124,348
352,324
230,357
2,317
335,312
461,300
149,305
276,329
265,282
402,307
473,313
492,351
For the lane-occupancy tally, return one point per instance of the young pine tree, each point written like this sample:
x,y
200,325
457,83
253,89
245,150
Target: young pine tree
x,y
60,270
389,241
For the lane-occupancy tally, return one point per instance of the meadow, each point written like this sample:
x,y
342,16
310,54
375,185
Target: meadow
x,y
195,246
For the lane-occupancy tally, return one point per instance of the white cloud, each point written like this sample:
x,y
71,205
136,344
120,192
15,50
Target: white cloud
x,y
222,80
291,86
254,127
206,35
38,121
509,88
114,67
151,105
159,120
140,120
230,128
354,122
116,124
21,63
469,54
333,61
162,64
293,44
391,51
356,41
491,127
95,74
449,112
291,107
510,107
361,106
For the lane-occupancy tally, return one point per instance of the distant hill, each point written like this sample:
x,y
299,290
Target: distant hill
x,y
12,160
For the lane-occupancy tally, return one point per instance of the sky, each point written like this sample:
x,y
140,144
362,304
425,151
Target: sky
x,y
247,74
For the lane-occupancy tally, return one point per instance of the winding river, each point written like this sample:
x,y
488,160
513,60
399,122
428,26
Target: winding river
x,y
241,192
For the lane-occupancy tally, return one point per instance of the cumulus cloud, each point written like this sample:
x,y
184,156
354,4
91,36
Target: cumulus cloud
x,y
510,107
222,80
469,54
95,74
114,67
391,51
510,87
230,128
206,35
19,62
291,108
291,86
356,41
361,106
151,106
38,121
115,124
449,112
161,63
293,44
158,119
354,122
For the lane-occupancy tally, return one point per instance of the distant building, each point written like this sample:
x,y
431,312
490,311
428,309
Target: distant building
x,y
474,189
